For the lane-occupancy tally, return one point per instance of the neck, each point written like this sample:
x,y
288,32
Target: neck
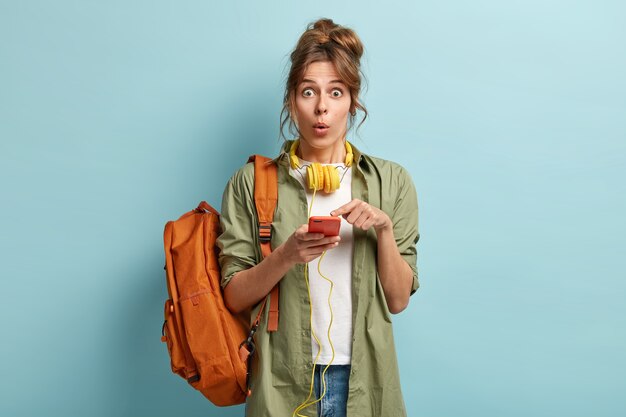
x,y
335,153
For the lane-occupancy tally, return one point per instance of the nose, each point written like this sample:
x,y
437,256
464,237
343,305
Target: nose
x,y
321,107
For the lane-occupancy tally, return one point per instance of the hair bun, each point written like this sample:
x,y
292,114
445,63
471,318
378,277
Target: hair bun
x,y
349,40
324,25
345,37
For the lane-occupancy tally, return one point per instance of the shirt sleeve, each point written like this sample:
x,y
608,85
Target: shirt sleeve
x,y
405,223
237,242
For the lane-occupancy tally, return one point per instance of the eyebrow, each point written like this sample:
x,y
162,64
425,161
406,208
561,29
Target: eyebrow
x,y
306,80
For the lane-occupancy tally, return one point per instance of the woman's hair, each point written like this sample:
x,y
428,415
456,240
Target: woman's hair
x,y
325,40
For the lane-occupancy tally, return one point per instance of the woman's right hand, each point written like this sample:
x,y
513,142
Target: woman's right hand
x,y
303,247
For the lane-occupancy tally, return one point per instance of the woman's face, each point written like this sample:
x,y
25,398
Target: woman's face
x,y
322,97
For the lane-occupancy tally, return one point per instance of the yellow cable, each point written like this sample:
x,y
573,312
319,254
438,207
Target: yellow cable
x,y
306,402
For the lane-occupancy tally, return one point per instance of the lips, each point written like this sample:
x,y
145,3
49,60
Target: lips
x,y
320,129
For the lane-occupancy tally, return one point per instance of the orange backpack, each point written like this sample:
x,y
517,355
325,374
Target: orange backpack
x,y
209,346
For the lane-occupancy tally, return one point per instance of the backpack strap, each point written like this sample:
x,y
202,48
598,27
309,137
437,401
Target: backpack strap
x,y
265,199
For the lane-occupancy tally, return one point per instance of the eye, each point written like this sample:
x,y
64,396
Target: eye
x,y
305,90
337,90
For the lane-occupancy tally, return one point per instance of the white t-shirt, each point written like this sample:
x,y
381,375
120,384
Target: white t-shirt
x,y
336,265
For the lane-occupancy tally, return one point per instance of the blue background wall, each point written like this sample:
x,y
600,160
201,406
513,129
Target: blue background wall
x,y
511,117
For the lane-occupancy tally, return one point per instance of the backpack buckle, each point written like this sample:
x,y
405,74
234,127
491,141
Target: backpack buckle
x,y
265,232
247,347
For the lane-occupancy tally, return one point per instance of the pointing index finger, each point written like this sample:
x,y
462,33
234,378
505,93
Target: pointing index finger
x,y
346,208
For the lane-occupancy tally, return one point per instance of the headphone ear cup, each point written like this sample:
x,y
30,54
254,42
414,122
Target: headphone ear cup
x,y
320,177
334,177
327,184
317,176
310,177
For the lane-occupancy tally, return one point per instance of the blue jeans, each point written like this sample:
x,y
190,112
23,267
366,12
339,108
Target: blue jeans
x,y
335,400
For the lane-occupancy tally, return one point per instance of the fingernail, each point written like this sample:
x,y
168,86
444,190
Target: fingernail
x,y
332,213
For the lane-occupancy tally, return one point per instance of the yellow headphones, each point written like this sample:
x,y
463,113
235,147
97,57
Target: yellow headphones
x,y
321,177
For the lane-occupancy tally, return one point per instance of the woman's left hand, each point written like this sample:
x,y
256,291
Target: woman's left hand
x,y
363,215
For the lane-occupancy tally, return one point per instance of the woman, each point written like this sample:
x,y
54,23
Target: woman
x,y
365,274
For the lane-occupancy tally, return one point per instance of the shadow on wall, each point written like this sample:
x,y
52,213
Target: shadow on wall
x,y
136,375
139,380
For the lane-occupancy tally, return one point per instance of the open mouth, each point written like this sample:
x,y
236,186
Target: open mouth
x,y
320,129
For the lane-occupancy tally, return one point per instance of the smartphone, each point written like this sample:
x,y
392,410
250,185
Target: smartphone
x,y
329,225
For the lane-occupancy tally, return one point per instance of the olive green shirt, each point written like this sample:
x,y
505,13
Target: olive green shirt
x,y
282,365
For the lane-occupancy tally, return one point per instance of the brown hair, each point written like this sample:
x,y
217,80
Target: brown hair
x,y
325,40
